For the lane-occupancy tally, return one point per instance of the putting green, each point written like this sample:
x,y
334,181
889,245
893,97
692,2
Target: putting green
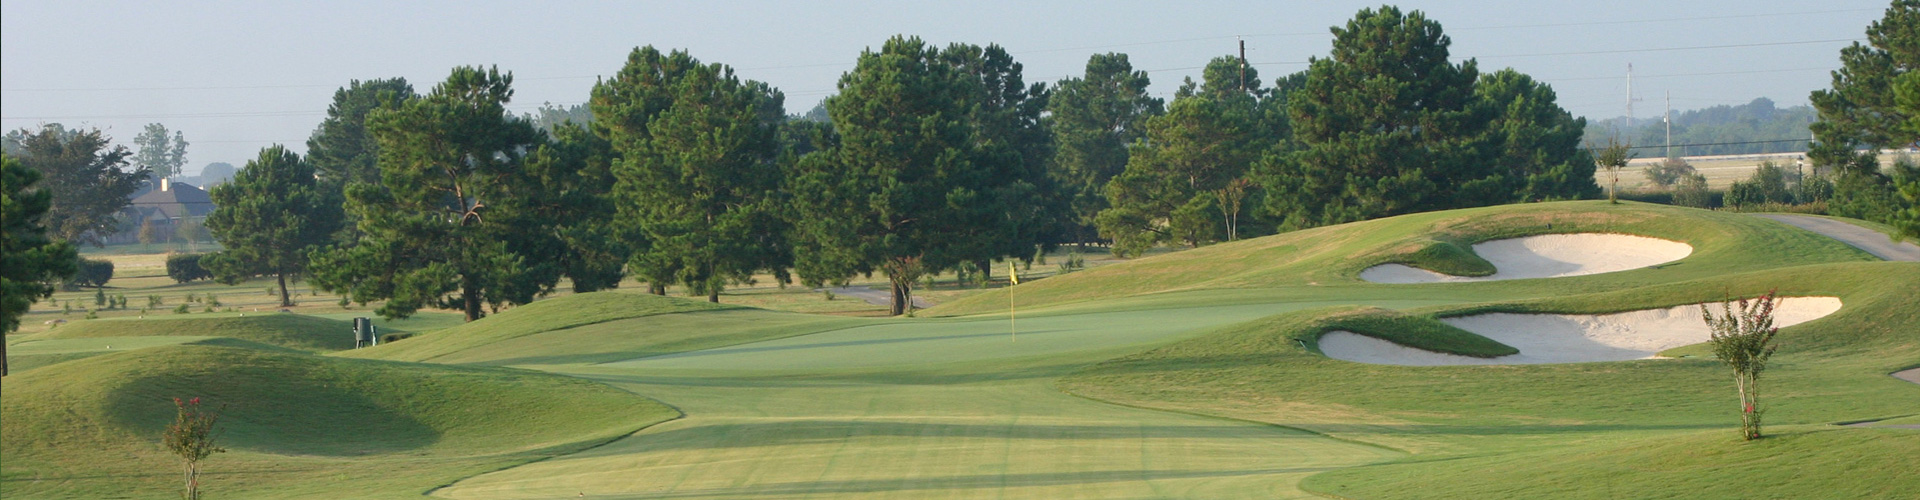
x,y
927,409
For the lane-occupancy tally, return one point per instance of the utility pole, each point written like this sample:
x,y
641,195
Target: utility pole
x,y
1630,100
1243,63
1667,118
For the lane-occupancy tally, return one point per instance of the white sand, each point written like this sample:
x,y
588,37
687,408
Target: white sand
x,y
1568,338
1548,256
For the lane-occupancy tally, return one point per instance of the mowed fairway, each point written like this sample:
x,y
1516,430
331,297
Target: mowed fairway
x,y
927,409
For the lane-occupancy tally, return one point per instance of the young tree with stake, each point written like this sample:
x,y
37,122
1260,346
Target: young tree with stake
x,y
1742,338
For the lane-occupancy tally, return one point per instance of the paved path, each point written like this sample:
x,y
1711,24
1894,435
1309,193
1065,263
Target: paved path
x,y
876,297
1871,241
1908,375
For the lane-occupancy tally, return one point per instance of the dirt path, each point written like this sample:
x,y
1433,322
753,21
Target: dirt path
x,y
1871,241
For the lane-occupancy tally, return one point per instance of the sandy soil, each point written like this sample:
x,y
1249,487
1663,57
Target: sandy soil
x,y
1568,338
1548,256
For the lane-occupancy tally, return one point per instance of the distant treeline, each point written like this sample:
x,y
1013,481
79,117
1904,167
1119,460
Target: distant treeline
x,y
1726,130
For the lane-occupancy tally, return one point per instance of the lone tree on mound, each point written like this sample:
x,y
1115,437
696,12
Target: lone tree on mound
x,y
1742,338
191,436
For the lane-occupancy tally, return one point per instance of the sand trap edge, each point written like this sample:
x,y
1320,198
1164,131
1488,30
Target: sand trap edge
x,y
1547,256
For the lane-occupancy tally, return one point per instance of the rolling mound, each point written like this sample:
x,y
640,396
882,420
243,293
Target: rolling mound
x,y
292,331
281,411
1547,256
598,327
1334,256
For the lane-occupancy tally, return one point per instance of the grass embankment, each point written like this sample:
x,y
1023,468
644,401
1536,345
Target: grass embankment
x,y
1481,431
1333,256
292,331
296,425
599,327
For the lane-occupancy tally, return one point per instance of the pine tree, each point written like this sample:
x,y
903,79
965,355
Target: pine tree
x,y
1094,118
269,217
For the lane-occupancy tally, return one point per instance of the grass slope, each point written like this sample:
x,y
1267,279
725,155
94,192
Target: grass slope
x,y
541,316
1828,370
31,354
1334,255
293,331
296,425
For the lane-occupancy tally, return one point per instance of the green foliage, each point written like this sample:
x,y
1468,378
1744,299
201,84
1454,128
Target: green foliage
x,y
90,272
1669,171
1692,192
28,259
698,178
1742,337
1431,134
186,267
160,153
193,438
342,150
1613,157
1191,158
917,133
88,179
454,222
1094,119
1861,109
269,218
182,309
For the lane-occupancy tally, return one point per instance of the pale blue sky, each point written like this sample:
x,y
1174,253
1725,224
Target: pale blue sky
x,y
237,76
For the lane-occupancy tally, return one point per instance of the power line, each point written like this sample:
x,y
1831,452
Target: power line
x,y
1676,75
1670,49
1740,143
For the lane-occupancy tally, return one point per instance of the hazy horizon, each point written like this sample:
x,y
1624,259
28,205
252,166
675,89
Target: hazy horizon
x,y
235,77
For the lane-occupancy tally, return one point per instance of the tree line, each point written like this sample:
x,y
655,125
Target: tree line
x,y
678,172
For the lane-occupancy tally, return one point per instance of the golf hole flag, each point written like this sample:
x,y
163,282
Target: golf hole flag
x,y
1013,276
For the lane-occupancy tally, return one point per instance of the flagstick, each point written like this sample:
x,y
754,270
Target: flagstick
x,y
1013,330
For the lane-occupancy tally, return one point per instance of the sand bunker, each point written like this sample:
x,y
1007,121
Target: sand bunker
x,y
1548,256
1568,338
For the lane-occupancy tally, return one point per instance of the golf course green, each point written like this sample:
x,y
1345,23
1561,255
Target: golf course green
x,y
1191,374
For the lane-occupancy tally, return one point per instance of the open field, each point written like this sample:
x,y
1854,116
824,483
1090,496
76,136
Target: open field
x,y
1191,374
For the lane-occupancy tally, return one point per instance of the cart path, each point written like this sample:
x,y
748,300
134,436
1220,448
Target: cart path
x,y
1871,241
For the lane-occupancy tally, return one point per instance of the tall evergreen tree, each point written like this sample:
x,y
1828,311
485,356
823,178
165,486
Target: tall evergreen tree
x,y
1537,144
268,218
160,153
703,184
623,108
451,224
1862,114
1094,118
342,150
88,177
29,261
1172,188
1022,211
905,180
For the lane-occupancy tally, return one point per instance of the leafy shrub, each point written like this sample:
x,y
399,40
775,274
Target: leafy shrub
x,y
1692,192
94,273
185,267
1665,173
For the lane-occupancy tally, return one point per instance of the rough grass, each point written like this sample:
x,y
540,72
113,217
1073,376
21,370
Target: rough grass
x,y
293,331
294,424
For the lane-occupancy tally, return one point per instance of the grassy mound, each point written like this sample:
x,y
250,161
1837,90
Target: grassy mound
x,y
294,422
1723,243
33,354
542,316
293,331
1419,332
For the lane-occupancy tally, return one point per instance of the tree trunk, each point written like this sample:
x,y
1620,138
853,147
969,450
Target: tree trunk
x,y
3,359
285,299
470,295
713,296
986,271
899,297
656,288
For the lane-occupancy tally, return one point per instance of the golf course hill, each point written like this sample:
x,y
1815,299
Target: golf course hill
x,y
293,331
599,327
1331,259
294,422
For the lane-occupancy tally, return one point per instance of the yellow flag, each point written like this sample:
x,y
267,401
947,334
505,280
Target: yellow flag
x,y
1013,274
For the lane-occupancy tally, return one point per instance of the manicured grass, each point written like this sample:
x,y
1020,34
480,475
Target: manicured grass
x,y
30,354
541,316
1208,353
1828,370
293,331
296,425
1723,243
